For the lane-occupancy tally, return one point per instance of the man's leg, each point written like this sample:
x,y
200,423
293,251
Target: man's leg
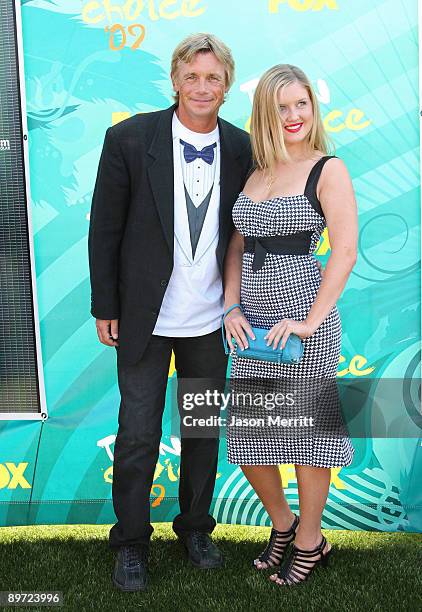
x,y
200,357
142,389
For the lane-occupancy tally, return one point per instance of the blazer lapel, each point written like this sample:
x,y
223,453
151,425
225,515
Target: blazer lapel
x,y
161,174
229,183
181,221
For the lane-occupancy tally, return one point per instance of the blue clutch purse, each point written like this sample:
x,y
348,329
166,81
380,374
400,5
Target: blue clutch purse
x,y
258,349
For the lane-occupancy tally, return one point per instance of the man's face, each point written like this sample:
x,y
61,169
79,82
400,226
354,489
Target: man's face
x,y
201,85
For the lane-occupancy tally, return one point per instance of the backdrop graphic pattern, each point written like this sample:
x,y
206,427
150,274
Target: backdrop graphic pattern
x,y
89,64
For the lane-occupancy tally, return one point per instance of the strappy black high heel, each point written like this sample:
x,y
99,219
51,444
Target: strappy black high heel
x,y
276,547
300,564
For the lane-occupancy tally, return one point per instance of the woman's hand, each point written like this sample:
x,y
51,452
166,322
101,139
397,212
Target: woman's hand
x,y
279,333
236,325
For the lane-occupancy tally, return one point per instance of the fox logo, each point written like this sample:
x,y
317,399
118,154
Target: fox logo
x,y
11,476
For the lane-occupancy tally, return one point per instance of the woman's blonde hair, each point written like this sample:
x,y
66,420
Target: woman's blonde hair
x,y
203,43
267,137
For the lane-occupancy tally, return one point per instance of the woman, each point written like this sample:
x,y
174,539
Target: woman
x,y
295,191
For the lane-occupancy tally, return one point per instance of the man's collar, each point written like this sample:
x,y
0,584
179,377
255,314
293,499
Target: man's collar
x,y
161,145
179,130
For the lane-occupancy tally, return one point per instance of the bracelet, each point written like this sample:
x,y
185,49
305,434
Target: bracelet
x,y
230,309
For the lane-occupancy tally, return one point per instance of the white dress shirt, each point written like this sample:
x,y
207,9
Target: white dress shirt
x,y
193,301
198,176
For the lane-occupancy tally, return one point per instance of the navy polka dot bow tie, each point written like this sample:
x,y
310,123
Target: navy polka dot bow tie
x,y
191,153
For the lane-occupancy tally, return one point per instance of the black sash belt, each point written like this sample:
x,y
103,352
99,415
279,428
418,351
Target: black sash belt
x,y
294,244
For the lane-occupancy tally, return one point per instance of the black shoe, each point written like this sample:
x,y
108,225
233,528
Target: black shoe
x,y
131,569
302,563
276,548
202,552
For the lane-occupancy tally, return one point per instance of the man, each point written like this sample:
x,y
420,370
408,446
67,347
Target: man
x,y
159,230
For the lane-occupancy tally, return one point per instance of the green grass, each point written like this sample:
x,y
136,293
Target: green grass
x,y
367,571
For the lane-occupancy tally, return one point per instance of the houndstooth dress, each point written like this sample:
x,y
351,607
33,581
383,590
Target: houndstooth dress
x,y
285,287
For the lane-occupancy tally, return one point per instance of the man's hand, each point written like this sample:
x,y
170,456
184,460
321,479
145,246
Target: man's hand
x,y
108,331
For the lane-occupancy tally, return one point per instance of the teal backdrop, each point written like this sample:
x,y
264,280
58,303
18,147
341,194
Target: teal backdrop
x,y
89,64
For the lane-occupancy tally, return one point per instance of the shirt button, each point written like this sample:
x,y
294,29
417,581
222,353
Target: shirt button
x,y
163,283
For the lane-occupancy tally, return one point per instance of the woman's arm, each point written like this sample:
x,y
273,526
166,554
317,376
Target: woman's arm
x,y
339,206
233,270
236,324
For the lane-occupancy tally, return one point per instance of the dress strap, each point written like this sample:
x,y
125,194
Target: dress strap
x,y
250,171
312,183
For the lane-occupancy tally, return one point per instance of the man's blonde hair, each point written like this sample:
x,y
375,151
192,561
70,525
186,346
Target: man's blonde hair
x,y
203,43
267,136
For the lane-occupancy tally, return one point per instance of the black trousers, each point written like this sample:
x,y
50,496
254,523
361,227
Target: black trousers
x,y
142,389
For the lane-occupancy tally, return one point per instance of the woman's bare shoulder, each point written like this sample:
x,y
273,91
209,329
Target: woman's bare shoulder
x,y
334,179
335,164
334,170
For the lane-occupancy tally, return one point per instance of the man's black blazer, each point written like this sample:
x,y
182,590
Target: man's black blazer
x,y
131,230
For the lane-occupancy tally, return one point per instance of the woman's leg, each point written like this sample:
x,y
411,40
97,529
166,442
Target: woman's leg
x,y
313,484
266,481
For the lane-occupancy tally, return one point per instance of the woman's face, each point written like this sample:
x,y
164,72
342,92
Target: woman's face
x,y
296,112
